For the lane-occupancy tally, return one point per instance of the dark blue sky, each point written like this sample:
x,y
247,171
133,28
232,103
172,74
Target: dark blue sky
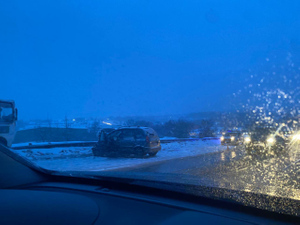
x,y
119,58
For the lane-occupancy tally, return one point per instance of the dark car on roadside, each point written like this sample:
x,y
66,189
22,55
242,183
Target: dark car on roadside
x,y
127,142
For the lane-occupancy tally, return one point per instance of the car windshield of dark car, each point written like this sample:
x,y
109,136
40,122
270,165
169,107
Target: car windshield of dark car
x,y
231,135
182,89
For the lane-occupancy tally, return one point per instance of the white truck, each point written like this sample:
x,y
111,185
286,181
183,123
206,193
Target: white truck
x,y
8,118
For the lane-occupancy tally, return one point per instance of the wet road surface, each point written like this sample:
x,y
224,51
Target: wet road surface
x,y
234,169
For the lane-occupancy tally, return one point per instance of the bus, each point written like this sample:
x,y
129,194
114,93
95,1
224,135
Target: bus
x,y
8,118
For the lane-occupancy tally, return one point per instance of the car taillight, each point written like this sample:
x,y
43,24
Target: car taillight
x,y
147,139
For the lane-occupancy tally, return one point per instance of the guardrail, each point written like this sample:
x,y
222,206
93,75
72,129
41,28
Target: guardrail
x,y
92,143
57,145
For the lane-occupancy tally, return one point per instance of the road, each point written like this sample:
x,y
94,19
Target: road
x,y
207,163
234,169
82,159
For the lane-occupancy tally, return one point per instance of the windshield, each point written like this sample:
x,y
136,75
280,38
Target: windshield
x,y
6,112
151,87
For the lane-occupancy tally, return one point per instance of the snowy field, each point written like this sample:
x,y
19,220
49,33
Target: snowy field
x,y
82,159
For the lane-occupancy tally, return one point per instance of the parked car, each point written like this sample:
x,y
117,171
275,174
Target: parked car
x,y
232,138
128,141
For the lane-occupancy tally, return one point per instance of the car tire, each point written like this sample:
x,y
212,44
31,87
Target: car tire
x,y
248,149
279,150
152,154
140,152
96,152
3,141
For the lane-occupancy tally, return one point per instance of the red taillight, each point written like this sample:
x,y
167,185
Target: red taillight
x,y
147,139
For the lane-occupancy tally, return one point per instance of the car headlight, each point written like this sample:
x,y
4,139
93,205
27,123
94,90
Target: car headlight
x,y
222,138
296,137
232,138
271,140
247,140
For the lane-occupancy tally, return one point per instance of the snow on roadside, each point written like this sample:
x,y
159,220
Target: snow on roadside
x,y
63,158
25,144
54,153
168,138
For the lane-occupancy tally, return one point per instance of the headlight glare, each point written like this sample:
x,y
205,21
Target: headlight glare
x,y
271,140
247,140
296,137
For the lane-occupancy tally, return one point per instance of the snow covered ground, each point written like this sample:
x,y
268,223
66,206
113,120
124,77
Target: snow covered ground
x,y
25,144
81,158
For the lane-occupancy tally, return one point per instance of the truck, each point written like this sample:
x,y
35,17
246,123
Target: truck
x,y
8,118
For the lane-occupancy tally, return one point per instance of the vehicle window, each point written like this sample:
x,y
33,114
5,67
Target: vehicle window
x,y
230,134
139,134
208,91
150,132
127,135
114,134
6,112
